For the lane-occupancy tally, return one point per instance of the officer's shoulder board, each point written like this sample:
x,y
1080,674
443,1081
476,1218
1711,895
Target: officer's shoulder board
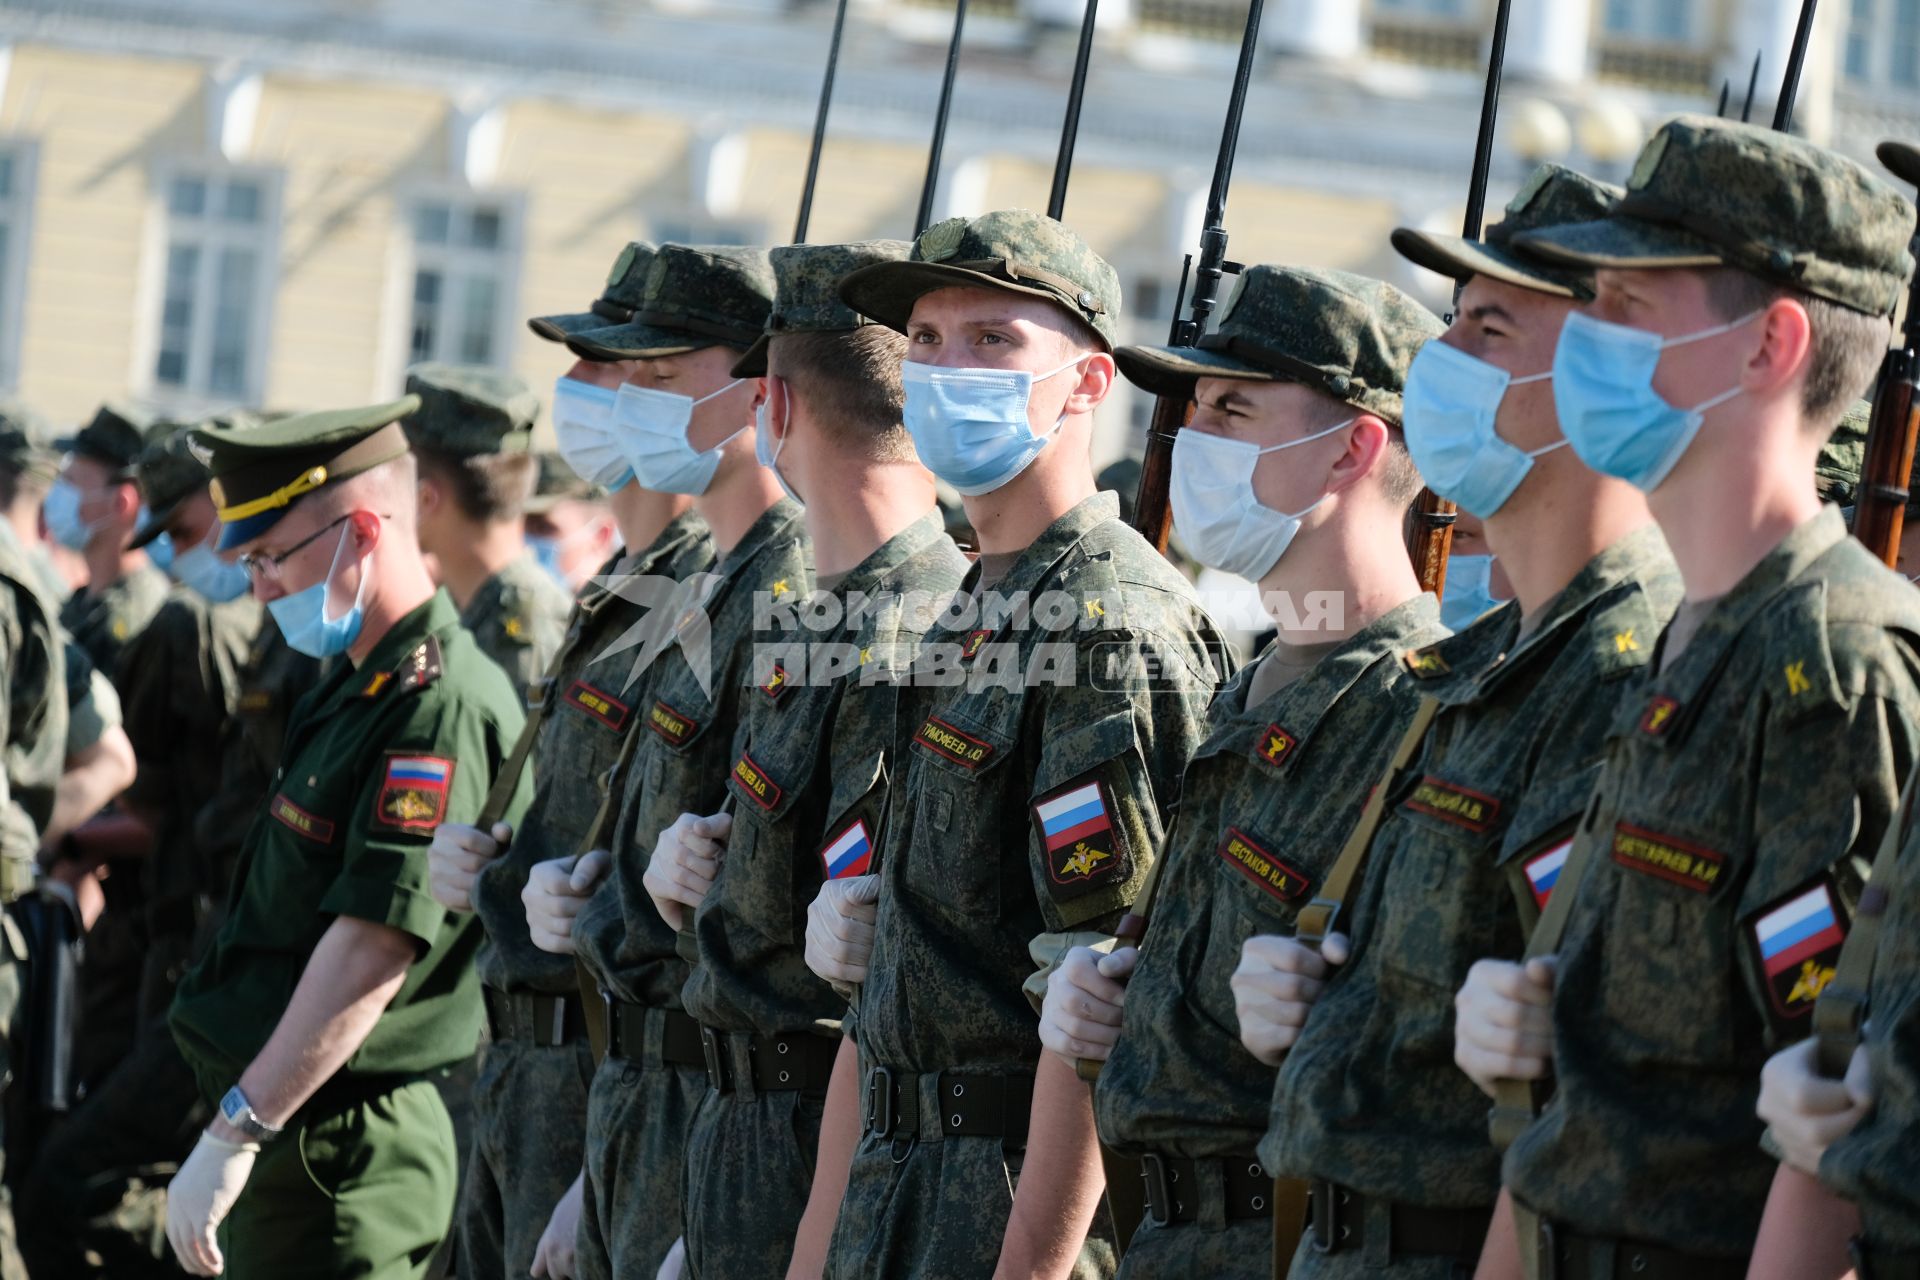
x,y
416,671
1797,674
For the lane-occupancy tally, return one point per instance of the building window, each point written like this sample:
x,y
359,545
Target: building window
x,y
1654,20
16,212
220,233
463,263
1883,43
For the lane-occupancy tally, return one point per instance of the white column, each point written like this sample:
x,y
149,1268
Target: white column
x,y
1313,28
1114,15
1548,40
233,103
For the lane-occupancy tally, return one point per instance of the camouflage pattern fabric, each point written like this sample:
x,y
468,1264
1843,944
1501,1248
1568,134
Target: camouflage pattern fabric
x,y
695,296
529,1110
469,410
1552,196
626,285
1266,805
105,622
795,790
1717,808
519,618
806,298
634,1207
968,879
1369,1097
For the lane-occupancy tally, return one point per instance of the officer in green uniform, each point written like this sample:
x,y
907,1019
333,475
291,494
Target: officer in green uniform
x,y
28,468
685,425
1048,719
93,509
570,530
517,1208
1306,372
1748,276
471,437
808,783
337,984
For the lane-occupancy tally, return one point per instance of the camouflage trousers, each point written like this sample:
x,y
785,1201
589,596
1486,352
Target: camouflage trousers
x,y
95,1202
529,1122
637,1119
1368,1262
1219,1250
749,1170
940,1213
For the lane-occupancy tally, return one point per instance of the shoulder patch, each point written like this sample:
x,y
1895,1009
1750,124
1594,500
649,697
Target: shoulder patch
x,y
849,852
1623,633
421,668
1543,870
1659,715
1797,942
413,792
299,821
604,707
1267,872
1668,858
777,684
1425,664
1085,848
514,626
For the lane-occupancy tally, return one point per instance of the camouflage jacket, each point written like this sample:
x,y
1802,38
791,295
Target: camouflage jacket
x,y
1265,807
809,786
518,617
1370,1097
683,764
1745,778
592,707
1045,748
33,714
104,624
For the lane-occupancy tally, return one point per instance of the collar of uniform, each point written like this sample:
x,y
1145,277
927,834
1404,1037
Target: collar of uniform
x,y
408,634
871,574
781,522
680,533
1299,707
1034,563
1777,571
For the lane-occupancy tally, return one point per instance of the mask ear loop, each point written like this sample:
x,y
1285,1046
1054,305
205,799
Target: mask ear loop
x,y
360,592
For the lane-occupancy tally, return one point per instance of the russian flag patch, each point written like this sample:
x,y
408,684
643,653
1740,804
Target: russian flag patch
x,y
413,794
850,853
1084,849
1798,943
1543,870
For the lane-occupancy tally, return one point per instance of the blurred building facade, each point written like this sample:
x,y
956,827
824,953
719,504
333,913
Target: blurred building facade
x,y
211,202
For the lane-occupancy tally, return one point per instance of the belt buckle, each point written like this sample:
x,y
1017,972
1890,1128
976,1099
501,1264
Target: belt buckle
x,y
1546,1249
559,1020
711,1052
1159,1196
880,1117
1323,1216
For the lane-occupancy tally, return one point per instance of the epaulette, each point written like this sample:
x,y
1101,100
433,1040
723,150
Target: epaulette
x,y
1426,663
1099,600
416,671
1623,631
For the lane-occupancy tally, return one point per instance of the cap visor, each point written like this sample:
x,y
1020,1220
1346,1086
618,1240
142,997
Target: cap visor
x,y
1172,371
1901,160
1621,242
560,328
1458,258
636,342
886,291
754,363
157,518
242,531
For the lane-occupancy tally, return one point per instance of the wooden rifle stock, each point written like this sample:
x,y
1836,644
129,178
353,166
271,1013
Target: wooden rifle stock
x,y
1152,508
1430,540
1879,511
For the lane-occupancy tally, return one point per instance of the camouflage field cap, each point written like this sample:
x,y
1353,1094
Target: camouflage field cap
x,y
806,296
557,483
260,470
25,445
468,411
1350,336
1708,192
113,438
1013,250
1553,195
1836,473
695,296
171,471
616,305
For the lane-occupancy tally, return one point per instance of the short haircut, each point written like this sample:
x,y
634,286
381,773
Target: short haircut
x,y
21,486
1400,479
388,490
1847,346
850,384
490,488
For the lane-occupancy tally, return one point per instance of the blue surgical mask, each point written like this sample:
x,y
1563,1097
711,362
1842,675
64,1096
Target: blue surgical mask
x,y
1452,399
61,507
653,427
1469,590
970,426
770,457
303,620
1220,519
160,551
203,571
546,554
1603,390
583,426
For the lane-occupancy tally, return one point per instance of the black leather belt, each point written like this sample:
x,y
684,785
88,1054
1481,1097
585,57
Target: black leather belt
x,y
1338,1216
971,1106
1174,1187
796,1060
678,1036
542,1021
1567,1255
1870,1263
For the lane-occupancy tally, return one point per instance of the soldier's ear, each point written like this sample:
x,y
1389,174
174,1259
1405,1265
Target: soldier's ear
x,y
366,527
1368,441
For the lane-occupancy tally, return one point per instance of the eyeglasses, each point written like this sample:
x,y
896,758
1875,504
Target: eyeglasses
x,y
264,568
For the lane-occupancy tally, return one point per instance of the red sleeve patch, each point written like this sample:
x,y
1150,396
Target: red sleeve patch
x,y
413,792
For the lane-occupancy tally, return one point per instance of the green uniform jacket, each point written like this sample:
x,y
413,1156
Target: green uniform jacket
x,y
1265,807
519,618
1000,720
591,709
104,624
376,757
1369,1097
811,767
1746,775
683,764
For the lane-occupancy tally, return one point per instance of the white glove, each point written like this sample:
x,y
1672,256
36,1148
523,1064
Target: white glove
x,y
685,863
1503,1022
200,1197
1081,1016
1275,987
556,892
675,1261
840,928
553,1256
456,858
1808,1112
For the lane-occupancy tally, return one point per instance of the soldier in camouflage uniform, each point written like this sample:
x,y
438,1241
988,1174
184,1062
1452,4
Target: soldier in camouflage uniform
x,y
702,307
28,468
1316,360
1368,1107
808,785
1765,269
584,710
471,436
93,509
1049,717
569,528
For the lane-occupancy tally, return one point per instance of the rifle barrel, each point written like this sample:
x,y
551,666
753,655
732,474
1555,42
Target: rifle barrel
x,y
1489,115
1790,84
1070,127
820,125
927,188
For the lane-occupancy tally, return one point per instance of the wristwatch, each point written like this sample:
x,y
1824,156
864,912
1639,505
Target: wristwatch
x,y
239,1113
